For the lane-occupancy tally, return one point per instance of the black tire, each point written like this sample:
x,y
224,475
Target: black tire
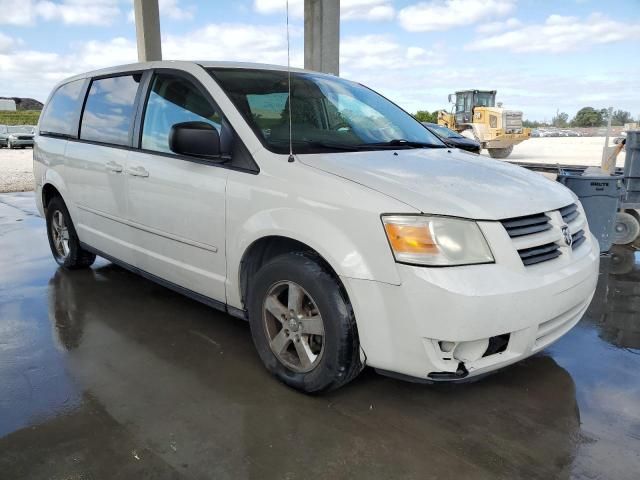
x,y
500,152
76,257
339,362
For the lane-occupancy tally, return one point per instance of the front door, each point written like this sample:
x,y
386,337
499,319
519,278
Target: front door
x,y
176,204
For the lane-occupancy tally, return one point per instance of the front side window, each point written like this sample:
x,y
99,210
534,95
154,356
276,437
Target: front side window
x,y
172,100
109,111
61,113
328,113
485,99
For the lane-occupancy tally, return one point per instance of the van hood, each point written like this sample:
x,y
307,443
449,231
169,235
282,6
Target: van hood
x,y
447,181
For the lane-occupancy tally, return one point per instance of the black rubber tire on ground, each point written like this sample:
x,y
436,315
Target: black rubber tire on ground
x,y
77,257
626,228
340,361
500,152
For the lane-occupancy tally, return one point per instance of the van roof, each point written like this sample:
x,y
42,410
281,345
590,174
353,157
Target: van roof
x,y
177,64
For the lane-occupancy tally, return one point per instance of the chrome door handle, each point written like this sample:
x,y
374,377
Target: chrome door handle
x,y
113,166
138,172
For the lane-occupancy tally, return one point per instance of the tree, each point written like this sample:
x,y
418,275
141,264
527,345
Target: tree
x,y
620,117
425,116
560,120
587,117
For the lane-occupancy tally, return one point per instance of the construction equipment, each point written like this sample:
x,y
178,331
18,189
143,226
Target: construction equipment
x,y
475,115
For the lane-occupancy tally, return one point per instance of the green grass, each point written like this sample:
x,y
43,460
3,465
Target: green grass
x,y
19,117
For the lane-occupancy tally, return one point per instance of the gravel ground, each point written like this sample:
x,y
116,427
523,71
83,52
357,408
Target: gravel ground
x,y
16,166
16,170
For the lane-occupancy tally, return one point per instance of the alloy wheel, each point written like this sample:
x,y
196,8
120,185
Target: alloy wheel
x,y
60,234
294,326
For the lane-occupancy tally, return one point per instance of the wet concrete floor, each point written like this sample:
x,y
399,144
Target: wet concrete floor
x,y
105,375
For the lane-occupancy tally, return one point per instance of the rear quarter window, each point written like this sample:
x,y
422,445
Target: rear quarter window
x,y
109,111
63,110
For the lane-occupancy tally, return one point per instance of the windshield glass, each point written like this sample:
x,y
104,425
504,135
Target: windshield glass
x,y
443,131
20,129
328,113
485,99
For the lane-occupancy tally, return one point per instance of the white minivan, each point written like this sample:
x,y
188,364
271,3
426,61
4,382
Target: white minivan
x,y
343,230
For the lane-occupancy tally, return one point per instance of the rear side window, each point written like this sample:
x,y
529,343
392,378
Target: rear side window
x,y
108,113
172,100
61,114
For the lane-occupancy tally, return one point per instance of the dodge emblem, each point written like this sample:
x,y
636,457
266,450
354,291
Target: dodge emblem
x,y
566,234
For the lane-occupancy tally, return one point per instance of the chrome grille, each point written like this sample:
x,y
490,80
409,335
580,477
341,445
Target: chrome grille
x,y
533,255
578,239
528,225
538,237
569,213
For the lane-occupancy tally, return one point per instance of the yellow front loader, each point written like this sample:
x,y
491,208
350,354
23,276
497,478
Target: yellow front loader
x,y
475,115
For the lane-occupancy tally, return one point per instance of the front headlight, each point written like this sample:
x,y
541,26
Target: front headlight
x,y
436,241
12,137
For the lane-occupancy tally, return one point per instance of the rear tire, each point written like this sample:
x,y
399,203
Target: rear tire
x,y
302,324
500,152
63,239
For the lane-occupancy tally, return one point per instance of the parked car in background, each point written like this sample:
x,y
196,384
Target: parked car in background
x,y
453,139
342,229
16,136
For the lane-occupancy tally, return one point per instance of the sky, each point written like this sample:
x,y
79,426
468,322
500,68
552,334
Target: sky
x,y
540,55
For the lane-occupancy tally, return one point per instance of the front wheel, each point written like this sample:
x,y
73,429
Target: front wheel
x,y
63,240
500,152
302,324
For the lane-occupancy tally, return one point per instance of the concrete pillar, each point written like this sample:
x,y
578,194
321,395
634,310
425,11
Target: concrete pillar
x,y
148,30
322,35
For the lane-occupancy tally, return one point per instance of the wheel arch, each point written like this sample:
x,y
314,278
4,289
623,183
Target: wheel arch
x,y
267,247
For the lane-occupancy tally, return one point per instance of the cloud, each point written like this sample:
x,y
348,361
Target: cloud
x,y
6,43
170,9
382,52
495,27
437,15
372,10
560,34
69,12
33,73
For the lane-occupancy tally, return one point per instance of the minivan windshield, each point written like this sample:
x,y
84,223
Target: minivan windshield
x,y
328,113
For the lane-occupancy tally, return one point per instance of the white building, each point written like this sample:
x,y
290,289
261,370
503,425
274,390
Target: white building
x,y
7,104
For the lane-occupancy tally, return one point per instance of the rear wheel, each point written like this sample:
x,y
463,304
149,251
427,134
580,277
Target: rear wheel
x,y
302,324
63,239
500,152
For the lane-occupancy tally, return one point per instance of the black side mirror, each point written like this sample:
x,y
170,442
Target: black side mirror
x,y
198,139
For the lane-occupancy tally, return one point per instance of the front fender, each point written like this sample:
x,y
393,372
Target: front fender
x,y
345,253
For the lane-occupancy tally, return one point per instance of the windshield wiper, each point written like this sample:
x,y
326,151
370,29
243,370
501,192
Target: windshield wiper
x,y
401,142
321,144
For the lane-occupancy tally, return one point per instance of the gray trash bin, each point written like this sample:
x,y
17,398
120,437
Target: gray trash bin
x,y
599,196
632,167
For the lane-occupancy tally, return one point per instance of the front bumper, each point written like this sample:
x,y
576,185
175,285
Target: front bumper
x,y
402,327
21,143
